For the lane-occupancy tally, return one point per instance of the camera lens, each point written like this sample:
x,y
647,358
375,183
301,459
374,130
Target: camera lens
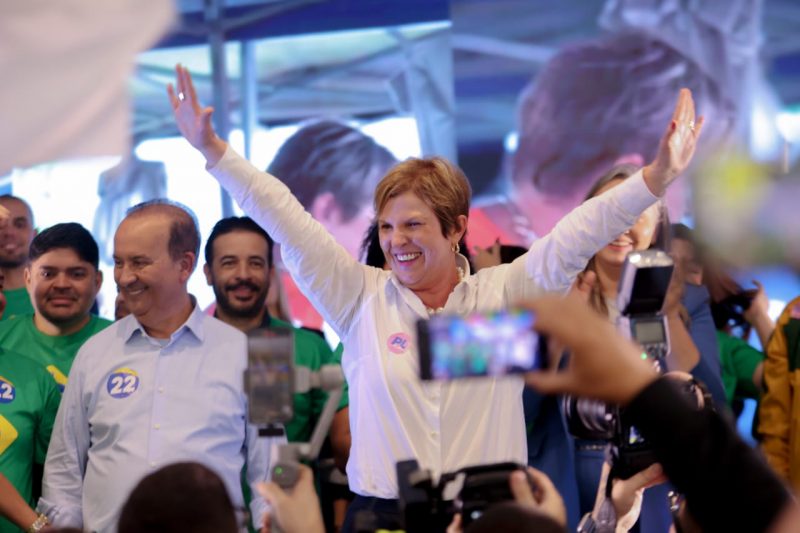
x,y
594,415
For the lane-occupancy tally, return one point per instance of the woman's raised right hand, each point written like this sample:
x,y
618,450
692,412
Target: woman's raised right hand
x,y
194,121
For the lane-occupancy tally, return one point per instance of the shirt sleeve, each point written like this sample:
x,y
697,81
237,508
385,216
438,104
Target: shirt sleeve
x,y
727,486
51,397
331,279
65,466
774,415
745,360
553,262
336,359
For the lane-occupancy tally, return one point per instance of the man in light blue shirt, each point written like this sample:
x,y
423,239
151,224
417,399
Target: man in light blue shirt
x,y
159,386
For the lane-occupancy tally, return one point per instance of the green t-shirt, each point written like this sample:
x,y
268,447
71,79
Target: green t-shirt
x,y
310,351
28,405
17,303
55,353
739,360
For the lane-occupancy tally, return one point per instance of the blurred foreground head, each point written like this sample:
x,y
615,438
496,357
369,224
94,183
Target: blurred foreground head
x,y
746,212
179,497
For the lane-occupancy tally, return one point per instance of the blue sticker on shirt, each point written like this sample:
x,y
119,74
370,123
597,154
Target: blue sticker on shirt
x,y
122,383
7,391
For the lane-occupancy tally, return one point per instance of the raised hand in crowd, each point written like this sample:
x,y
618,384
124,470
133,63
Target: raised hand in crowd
x,y
757,315
677,146
295,511
193,120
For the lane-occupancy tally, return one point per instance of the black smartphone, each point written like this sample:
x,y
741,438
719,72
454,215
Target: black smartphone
x,y
480,344
269,377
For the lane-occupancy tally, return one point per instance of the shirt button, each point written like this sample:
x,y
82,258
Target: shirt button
x,y
161,390
434,434
157,426
152,464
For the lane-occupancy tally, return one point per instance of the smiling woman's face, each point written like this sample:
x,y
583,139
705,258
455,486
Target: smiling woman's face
x,y
412,242
638,237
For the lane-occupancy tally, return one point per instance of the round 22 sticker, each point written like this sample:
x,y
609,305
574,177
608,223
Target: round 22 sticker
x,y
122,383
7,391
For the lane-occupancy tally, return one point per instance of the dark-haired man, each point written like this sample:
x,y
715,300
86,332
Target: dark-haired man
x,y
161,385
15,239
238,266
28,403
63,280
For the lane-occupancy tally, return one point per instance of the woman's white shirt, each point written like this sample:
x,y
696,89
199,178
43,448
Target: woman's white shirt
x,y
393,414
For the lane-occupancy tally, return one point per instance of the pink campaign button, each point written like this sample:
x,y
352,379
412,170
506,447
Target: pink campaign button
x,y
398,342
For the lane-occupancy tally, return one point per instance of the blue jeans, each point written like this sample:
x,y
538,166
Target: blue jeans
x,y
589,458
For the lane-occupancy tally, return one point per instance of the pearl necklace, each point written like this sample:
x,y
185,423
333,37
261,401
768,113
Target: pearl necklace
x,y
431,311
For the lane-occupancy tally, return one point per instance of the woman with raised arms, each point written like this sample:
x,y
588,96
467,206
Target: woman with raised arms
x,y
421,208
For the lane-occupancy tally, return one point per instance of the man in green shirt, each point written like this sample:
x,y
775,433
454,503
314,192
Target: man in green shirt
x,y
15,239
28,405
238,266
63,280
742,368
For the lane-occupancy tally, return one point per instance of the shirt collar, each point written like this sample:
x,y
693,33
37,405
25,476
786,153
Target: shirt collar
x,y
265,321
464,273
130,325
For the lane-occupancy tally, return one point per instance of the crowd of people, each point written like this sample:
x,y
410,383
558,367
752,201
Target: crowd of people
x,y
141,424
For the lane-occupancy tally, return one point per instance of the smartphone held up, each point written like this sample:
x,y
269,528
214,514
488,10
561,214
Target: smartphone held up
x,y
481,344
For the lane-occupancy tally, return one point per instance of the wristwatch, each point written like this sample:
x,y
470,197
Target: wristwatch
x,y
587,524
38,524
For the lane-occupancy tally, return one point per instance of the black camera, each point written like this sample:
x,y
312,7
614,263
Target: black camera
x,y
630,452
423,502
730,311
642,289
